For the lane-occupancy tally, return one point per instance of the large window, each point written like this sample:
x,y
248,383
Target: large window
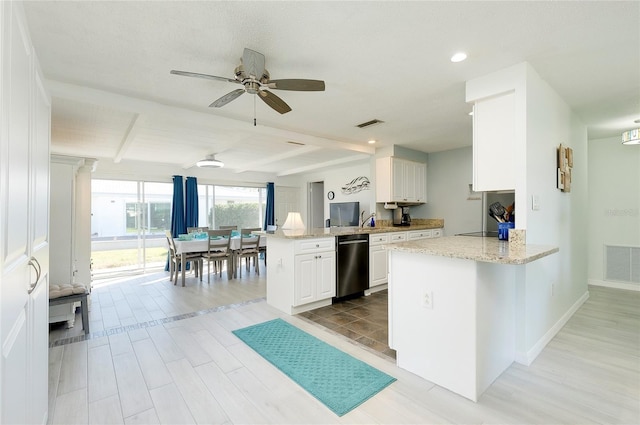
x,y
231,205
129,220
128,224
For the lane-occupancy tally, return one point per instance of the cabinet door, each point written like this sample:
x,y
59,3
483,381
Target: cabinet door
x,y
398,179
16,275
305,279
494,143
378,266
326,275
410,181
421,182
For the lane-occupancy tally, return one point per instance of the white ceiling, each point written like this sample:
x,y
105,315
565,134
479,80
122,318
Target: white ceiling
x,y
107,65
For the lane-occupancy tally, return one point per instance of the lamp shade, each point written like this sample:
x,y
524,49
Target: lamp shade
x,y
293,222
631,137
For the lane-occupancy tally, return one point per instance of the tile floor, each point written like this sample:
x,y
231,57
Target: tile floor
x,y
363,319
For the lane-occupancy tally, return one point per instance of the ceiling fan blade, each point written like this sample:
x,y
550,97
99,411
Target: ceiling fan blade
x,y
274,101
227,98
207,76
253,63
297,84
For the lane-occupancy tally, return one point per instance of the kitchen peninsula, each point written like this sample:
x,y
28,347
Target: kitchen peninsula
x,y
301,275
452,305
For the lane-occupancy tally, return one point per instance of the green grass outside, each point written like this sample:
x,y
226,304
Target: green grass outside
x,y
126,257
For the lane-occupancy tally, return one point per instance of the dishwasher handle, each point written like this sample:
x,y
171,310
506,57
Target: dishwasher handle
x,y
352,242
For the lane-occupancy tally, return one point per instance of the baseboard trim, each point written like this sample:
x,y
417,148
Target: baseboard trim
x,y
615,285
526,358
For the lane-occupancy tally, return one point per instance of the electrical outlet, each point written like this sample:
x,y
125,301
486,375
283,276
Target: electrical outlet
x,y
553,289
427,300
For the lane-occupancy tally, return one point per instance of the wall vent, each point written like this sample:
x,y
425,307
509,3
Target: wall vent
x,y
368,123
622,263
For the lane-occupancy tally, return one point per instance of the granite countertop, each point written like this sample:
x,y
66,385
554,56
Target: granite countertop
x,y
485,249
417,224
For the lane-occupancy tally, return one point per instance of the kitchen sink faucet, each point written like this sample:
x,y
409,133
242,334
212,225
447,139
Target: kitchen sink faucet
x,y
364,220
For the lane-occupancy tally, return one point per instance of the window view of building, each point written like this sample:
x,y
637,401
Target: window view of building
x,y
129,220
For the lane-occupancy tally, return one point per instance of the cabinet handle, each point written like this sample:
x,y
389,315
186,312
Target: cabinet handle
x,y
33,262
317,245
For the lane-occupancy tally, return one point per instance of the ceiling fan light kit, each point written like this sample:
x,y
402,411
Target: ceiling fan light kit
x,y
631,137
255,79
210,162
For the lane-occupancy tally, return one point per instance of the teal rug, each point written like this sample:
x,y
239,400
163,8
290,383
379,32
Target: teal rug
x,y
335,378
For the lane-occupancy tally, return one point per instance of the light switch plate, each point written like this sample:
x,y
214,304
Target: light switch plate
x,y
535,202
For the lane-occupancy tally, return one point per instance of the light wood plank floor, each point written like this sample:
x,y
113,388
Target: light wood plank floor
x,y
194,370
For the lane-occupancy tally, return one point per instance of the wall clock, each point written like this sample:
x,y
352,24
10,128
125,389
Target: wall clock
x,y
330,195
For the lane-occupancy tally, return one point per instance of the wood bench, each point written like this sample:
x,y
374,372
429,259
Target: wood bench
x,y
69,293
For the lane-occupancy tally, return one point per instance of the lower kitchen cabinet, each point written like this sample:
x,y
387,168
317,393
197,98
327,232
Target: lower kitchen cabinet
x,y
315,277
378,255
302,273
378,264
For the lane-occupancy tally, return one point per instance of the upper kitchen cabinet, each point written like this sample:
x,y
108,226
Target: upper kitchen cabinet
x,y
493,143
400,180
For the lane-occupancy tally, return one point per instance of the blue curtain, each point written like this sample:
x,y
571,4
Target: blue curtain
x,y
191,202
270,213
178,225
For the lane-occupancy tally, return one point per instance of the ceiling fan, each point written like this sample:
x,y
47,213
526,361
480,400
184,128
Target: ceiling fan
x,y
255,79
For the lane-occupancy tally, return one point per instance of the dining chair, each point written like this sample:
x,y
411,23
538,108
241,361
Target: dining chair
x,y
219,251
197,229
249,248
175,260
233,227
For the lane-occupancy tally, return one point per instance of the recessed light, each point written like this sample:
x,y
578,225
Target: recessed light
x,y
458,57
371,142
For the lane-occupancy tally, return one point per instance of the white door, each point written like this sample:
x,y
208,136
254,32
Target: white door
x,y
378,266
326,275
24,203
286,199
305,279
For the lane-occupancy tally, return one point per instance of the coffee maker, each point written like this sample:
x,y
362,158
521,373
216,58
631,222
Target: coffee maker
x,y
401,216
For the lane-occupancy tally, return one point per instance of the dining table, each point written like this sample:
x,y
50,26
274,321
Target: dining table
x,y
194,245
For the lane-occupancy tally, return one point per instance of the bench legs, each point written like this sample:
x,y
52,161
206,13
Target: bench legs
x,y
83,303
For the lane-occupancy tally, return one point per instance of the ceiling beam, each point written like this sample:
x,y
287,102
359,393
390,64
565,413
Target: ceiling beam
x,y
325,164
130,134
141,106
295,151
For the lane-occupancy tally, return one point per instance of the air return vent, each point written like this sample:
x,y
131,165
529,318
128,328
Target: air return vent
x,y
369,123
622,263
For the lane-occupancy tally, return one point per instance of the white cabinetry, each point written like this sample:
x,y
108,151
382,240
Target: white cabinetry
x,y
494,143
315,277
400,180
302,273
25,113
379,257
378,264
70,238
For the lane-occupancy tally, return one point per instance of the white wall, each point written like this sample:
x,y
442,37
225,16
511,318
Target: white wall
x,y
334,180
555,286
550,289
449,174
614,202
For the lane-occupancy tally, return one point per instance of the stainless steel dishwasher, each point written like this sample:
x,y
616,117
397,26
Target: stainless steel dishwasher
x,y
352,265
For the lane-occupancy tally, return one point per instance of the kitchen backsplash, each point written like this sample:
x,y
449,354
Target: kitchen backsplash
x,y
431,222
